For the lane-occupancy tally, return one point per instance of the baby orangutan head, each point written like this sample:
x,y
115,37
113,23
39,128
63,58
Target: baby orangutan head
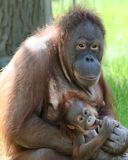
x,y
78,113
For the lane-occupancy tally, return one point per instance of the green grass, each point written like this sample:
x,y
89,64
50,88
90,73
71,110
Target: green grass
x,y
116,73
115,64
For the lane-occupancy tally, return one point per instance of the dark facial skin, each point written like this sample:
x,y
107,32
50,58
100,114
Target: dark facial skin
x,y
86,49
83,116
47,64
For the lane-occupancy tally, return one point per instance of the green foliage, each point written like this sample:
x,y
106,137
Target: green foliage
x,y
115,17
116,73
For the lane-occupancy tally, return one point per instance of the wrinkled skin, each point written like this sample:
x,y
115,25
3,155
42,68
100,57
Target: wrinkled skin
x,y
64,56
87,53
80,117
87,69
114,145
118,141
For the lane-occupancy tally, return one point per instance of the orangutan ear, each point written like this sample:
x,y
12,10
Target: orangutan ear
x,y
71,126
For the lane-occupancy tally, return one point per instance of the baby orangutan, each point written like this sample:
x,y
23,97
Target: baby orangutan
x,y
78,119
77,116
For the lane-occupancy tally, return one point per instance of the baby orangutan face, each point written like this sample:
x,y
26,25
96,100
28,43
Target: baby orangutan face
x,y
81,114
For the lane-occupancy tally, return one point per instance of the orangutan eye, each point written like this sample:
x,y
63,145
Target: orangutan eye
x,y
85,112
81,45
80,118
94,47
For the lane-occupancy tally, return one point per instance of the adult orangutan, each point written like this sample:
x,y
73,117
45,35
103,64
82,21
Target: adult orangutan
x,y
64,56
